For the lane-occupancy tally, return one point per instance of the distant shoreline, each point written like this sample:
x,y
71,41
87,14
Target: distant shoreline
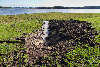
x,y
50,8
57,7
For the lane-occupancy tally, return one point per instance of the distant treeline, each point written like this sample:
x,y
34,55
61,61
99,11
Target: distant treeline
x,y
62,7
58,7
5,7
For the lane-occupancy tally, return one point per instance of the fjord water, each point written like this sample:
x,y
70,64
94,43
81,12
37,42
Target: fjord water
x,y
15,11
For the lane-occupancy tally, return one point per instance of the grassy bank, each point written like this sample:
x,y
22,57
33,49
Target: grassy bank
x,y
15,26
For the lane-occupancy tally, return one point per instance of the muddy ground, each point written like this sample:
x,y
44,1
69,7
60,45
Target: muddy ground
x,y
63,36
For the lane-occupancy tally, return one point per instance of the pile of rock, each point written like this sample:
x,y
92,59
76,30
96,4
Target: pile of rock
x,y
63,35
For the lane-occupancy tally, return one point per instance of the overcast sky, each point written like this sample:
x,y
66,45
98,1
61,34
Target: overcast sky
x,y
48,3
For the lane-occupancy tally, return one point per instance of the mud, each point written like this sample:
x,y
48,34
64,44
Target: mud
x,y
63,36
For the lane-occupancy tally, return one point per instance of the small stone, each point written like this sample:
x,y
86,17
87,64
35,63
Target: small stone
x,y
49,48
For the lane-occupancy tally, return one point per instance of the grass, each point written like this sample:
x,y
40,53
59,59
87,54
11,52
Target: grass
x,y
11,30
15,26
85,57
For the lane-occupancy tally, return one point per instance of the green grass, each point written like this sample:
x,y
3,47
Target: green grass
x,y
84,57
14,26
16,29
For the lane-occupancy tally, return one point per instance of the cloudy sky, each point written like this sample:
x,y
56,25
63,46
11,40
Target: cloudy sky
x,y
48,3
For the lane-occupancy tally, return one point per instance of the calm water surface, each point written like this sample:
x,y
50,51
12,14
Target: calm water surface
x,y
14,11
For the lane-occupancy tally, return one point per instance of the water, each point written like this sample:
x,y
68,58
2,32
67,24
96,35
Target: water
x,y
14,11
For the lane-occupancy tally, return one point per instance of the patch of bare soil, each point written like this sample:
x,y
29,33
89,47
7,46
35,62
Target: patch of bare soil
x,y
63,36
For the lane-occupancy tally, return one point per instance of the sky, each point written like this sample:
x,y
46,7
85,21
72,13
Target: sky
x,y
49,3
